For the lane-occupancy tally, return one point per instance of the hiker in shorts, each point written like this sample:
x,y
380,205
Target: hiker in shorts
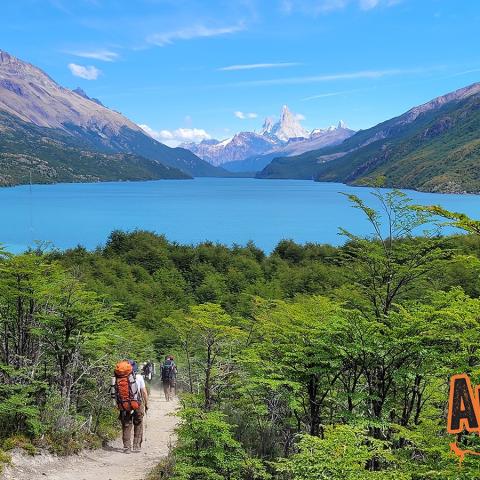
x,y
169,377
130,394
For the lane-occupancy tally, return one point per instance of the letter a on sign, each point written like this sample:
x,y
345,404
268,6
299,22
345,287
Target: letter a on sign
x,y
463,407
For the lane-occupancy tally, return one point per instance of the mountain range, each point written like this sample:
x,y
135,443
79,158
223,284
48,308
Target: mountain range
x,y
59,134
49,134
432,147
252,151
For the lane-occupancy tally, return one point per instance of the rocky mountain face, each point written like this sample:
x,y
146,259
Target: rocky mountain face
x,y
286,128
29,94
82,93
285,137
431,147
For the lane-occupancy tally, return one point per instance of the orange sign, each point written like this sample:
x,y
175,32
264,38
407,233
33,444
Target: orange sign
x,y
463,411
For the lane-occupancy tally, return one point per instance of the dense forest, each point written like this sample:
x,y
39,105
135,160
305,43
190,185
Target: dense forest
x,y
313,362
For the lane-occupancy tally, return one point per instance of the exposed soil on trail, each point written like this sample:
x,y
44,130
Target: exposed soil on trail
x,y
108,463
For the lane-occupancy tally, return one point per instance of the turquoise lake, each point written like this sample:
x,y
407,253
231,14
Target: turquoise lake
x,y
190,211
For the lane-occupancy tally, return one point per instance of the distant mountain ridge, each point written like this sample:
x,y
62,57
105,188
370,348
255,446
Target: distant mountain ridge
x,y
251,150
29,94
432,147
318,138
240,146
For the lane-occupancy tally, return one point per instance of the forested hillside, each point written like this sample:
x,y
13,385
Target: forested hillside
x,y
29,153
313,362
433,147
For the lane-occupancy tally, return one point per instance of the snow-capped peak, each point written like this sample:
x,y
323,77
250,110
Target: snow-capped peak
x,y
267,126
341,125
288,127
283,137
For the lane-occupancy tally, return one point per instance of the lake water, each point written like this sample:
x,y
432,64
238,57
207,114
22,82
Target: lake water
x,y
190,211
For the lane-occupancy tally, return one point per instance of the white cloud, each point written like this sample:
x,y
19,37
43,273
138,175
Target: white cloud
x,y
465,72
196,31
299,117
333,94
317,7
330,77
369,4
153,133
314,7
101,54
87,72
253,66
175,137
244,116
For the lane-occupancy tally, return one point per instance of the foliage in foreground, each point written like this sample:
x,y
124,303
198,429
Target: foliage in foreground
x,y
59,341
350,384
311,362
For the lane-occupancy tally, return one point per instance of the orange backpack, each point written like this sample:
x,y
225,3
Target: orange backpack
x,y
126,389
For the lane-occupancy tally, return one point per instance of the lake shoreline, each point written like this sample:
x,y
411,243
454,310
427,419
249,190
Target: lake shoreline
x,y
220,210
240,177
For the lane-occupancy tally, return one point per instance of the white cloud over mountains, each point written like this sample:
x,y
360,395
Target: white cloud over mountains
x,y
245,116
86,72
175,137
364,74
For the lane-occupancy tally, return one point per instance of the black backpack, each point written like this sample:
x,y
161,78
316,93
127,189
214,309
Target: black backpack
x,y
168,370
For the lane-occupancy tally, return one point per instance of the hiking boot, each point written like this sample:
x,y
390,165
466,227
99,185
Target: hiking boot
x,y
136,447
127,450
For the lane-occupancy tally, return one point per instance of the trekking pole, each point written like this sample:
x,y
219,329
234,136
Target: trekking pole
x,y
145,427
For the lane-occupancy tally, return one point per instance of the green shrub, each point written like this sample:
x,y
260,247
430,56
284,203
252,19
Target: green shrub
x,y
19,441
5,458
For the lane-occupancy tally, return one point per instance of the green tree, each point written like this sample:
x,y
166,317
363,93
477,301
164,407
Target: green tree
x,y
208,338
341,455
386,265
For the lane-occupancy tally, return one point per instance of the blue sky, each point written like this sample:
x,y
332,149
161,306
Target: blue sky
x,y
190,69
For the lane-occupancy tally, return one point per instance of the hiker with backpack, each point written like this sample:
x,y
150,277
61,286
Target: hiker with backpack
x,y
131,397
169,377
147,371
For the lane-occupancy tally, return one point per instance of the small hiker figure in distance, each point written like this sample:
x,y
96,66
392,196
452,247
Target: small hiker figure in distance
x,y
130,395
169,377
147,371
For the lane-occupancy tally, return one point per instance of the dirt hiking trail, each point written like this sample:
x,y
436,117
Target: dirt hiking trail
x,y
108,463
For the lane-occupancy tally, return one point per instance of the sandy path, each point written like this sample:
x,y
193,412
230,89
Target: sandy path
x,y
109,463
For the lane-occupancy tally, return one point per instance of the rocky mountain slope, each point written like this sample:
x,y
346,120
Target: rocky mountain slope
x,y
431,147
251,151
48,155
30,95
